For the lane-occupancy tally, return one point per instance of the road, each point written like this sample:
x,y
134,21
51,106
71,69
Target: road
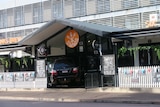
x,y
58,104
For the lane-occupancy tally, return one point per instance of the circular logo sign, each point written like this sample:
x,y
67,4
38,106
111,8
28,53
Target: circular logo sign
x,y
41,49
71,38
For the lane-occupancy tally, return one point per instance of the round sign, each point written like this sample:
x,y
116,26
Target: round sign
x,y
41,49
71,38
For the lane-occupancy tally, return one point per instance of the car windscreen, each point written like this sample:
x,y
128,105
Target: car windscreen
x,y
63,63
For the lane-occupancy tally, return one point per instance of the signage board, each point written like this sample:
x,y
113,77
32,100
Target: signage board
x,y
41,50
153,20
40,67
72,38
108,64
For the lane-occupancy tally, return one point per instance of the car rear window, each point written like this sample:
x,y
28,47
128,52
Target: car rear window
x,y
63,63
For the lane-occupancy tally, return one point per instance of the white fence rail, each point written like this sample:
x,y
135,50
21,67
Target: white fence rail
x,y
139,77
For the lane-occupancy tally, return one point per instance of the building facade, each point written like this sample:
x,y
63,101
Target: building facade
x,y
22,18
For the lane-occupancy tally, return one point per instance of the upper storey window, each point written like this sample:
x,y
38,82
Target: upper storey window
x,y
37,13
154,2
18,16
3,19
79,8
57,8
128,4
103,6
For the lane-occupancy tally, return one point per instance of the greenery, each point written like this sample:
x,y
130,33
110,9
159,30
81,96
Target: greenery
x,y
5,61
123,50
24,60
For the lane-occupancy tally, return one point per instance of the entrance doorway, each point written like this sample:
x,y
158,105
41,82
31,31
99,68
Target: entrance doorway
x,y
89,60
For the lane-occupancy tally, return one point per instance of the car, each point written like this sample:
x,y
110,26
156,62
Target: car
x,y
63,71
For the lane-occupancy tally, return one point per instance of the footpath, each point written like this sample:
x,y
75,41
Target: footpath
x,y
98,95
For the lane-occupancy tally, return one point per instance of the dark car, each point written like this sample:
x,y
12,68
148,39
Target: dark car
x,y
63,71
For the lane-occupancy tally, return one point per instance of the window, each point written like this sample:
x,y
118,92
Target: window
x,y
2,35
79,8
57,8
3,19
154,2
12,34
103,6
18,16
127,4
132,21
19,33
37,13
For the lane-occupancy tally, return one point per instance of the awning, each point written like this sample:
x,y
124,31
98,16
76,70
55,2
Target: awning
x,y
12,49
59,25
137,33
6,50
5,53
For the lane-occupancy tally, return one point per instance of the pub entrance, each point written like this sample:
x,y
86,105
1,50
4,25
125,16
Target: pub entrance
x,y
88,55
87,58
90,60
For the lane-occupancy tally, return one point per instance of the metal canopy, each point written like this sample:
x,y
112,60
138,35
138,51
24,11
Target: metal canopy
x,y
56,25
138,33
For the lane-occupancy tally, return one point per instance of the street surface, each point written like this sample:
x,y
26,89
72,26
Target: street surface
x,y
8,103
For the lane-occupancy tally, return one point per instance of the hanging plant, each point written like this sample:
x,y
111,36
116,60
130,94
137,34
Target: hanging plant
x,y
157,50
123,50
5,62
25,60
31,60
18,61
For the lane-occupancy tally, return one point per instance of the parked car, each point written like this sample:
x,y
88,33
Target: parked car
x,y
63,71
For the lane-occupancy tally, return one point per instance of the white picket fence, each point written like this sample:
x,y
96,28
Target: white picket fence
x,y
25,79
139,77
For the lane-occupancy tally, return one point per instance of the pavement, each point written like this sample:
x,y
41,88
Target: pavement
x,y
98,95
